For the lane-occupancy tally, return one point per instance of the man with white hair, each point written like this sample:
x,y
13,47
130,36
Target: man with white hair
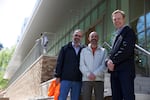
x,y
44,42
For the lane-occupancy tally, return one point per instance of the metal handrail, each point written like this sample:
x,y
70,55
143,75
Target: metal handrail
x,y
136,46
142,49
107,44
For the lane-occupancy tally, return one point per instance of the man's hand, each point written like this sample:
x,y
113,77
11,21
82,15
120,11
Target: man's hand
x,y
57,80
91,76
110,65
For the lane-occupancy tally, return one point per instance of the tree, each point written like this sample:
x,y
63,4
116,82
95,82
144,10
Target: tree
x,y
5,56
1,46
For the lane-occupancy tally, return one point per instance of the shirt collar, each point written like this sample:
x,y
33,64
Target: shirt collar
x,y
73,44
118,31
98,47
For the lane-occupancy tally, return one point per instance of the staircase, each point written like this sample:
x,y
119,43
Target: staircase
x,y
142,87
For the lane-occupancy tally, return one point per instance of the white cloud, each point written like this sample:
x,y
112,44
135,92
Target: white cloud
x,y
12,16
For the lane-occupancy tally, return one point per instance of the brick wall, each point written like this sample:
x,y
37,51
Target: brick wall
x,y
28,85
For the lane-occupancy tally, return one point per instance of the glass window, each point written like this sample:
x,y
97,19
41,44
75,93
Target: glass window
x,y
135,9
99,30
64,40
69,37
76,27
101,8
81,26
148,30
141,39
83,39
148,40
52,52
147,4
95,2
59,46
87,22
94,16
140,31
148,20
142,60
140,24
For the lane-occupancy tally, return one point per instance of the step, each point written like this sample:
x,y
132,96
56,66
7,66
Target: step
x,y
142,87
142,96
142,84
137,97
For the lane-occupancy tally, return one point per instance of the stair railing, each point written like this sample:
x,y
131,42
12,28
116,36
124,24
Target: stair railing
x,y
136,47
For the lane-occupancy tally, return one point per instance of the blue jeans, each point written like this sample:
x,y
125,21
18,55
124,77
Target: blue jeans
x,y
74,87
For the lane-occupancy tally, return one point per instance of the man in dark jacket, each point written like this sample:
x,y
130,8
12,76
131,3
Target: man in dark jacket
x,y
67,68
121,59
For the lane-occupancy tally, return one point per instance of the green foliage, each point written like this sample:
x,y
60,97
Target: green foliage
x,y
5,56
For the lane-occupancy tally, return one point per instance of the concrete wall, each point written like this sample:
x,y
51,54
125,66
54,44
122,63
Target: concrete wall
x,y
28,85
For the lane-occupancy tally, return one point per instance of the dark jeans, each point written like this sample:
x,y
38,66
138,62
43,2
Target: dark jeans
x,y
122,84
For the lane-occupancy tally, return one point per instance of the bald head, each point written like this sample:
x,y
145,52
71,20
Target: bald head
x,y
93,38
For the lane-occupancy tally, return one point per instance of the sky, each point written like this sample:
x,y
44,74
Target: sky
x,y
12,15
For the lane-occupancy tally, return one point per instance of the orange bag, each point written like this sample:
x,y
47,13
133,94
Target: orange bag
x,y
53,89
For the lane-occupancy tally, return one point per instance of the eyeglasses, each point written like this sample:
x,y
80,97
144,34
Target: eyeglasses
x,y
76,35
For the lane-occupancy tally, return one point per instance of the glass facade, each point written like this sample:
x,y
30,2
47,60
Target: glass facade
x,y
140,21
96,16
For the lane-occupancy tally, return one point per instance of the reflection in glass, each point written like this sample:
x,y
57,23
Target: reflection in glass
x,y
141,39
140,24
142,59
148,20
148,40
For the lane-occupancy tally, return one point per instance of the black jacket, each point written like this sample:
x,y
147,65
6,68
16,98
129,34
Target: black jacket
x,y
122,53
67,67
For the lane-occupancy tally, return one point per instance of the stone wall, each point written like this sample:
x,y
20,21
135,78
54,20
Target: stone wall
x,y
28,85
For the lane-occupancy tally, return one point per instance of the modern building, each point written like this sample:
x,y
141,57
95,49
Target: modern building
x,y
29,70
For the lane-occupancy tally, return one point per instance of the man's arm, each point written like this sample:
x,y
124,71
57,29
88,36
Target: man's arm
x,y
126,48
59,63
